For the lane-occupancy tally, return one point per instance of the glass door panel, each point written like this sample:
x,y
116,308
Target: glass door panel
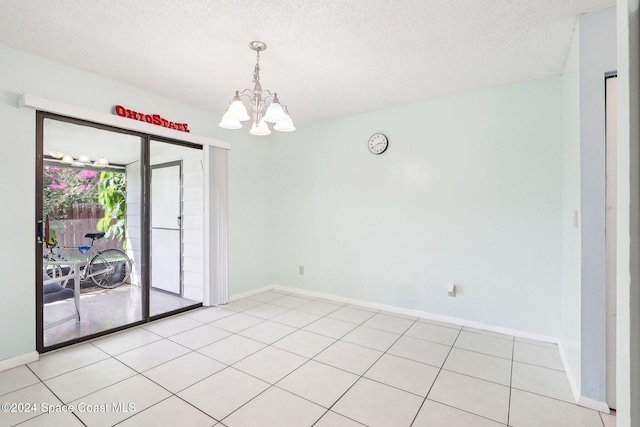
x,y
177,205
91,222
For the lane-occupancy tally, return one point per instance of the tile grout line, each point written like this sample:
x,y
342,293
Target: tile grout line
x,y
172,394
145,409
57,397
540,366
436,378
553,398
308,360
176,394
92,342
239,360
141,373
367,370
266,345
137,372
601,419
513,350
70,370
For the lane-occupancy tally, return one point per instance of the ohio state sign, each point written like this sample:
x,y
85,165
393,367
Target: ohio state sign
x,y
154,119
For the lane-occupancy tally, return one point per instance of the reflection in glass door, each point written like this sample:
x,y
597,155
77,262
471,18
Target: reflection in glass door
x,y
90,219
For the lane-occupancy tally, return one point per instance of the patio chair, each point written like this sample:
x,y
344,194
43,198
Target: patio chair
x,y
53,291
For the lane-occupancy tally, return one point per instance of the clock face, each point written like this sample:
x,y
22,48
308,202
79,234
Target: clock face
x,y
378,143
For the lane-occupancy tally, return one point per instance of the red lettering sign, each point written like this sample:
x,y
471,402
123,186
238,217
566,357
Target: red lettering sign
x,y
154,119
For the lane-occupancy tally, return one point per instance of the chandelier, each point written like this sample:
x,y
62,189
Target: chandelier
x,y
263,105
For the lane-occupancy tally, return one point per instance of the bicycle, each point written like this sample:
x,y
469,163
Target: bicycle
x,y
108,268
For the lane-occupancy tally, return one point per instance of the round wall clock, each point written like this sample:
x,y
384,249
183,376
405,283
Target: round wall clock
x,y
378,143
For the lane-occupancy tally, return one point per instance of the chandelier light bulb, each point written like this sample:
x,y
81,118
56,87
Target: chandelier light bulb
x,y
261,129
237,111
285,125
227,123
275,113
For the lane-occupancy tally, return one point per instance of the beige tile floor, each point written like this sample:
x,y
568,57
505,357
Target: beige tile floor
x,y
277,359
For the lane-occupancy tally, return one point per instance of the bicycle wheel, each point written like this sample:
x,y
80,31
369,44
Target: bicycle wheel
x,y
109,268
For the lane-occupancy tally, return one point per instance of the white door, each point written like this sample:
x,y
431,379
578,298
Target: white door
x,y
166,217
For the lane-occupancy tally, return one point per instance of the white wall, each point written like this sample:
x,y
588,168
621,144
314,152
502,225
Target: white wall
x,y
21,72
628,250
468,192
597,56
570,332
583,328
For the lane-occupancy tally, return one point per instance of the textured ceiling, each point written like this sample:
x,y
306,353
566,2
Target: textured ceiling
x,y
325,58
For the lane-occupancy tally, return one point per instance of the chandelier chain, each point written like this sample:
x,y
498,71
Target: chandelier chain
x,y
256,71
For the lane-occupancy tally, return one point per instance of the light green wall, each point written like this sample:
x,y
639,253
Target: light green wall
x,y
21,72
249,203
468,192
571,294
17,232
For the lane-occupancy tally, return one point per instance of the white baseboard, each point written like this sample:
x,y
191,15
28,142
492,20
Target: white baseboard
x,y
596,405
423,314
567,369
18,360
249,293
584,401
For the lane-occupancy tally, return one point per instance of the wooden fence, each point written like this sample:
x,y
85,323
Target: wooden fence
x,y
82,219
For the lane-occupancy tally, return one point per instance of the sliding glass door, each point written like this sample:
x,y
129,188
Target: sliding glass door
x,y
112,250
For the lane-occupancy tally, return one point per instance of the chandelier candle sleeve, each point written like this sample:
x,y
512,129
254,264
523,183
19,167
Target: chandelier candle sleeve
x,y
260,106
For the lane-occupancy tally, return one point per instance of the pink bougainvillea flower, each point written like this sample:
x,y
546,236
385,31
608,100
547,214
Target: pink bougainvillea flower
x,y
57,185
87,174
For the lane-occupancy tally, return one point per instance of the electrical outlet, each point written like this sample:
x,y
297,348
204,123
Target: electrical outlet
x,y
451,290
576,218
301,270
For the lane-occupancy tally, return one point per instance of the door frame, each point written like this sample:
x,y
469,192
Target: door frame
x,y
610,250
